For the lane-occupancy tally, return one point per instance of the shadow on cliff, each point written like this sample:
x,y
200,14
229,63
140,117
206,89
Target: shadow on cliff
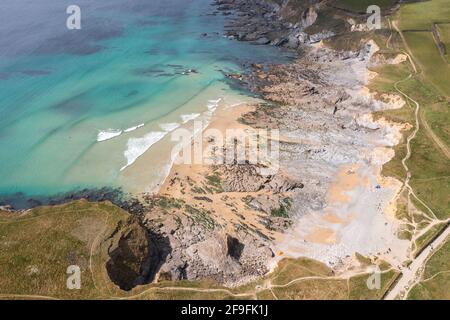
x,y
135,254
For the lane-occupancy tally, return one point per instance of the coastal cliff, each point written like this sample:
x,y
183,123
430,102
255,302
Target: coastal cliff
x,y
232,225
355,189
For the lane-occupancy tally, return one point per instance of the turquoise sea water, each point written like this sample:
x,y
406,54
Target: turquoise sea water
x,y
85,108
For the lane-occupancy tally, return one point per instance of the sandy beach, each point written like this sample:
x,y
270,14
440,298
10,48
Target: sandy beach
x,y
346,205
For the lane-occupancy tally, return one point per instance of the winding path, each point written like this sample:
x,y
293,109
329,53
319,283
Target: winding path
x,y
412,275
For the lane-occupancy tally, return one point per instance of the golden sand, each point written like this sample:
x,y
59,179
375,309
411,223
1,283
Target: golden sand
x,y
322,236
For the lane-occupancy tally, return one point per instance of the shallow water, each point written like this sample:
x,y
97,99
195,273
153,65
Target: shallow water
x,y
93,107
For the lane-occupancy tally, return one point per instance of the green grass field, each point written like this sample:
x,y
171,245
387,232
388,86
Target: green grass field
x,y
38,247
426,54
428,164
420,15
305,279
435,282
362,5
429,167
444,30
437,116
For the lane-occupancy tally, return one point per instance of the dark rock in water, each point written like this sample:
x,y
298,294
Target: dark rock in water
x,y
280,42
34,203
132,93
20,201
188,72
262,41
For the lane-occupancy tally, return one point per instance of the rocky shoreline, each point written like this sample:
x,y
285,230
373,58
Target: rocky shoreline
x,y
271,23
328,200
22,202
232,224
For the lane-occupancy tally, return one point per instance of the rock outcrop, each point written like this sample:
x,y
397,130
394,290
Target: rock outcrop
x,y
199,252
278,23
245,178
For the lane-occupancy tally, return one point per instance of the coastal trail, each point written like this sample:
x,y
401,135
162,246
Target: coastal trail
x,y
413,273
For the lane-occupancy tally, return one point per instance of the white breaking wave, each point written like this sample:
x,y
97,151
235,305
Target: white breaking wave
x,y
134,128
168,127
136,147
112,133
108,134
213,104
189,117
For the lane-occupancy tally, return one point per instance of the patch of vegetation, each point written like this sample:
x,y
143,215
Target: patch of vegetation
x,y
364,261
358,286
169,203
404,234
38,247
327,20
436,277
306,279
439,261
314,289
444,33
419,15
201,216
437,116
289,269
360,6
283,210
215,181
426,54
402,212
349,41
197,189
426,238
430,175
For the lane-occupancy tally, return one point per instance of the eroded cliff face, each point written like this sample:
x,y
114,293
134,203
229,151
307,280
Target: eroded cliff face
x,y
274,22
286,23
133,256
303,12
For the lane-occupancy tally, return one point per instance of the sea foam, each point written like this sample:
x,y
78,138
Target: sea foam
x,y
108,134
136,147
112,133
188,117
168,127
134,128
213,104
